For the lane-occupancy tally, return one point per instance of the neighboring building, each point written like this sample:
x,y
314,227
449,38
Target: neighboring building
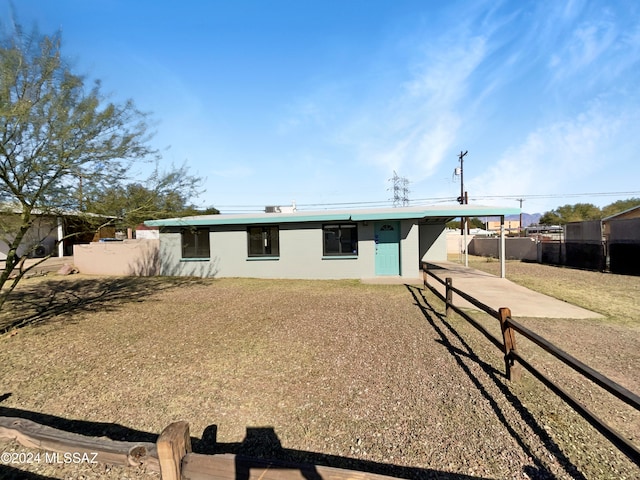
x,y
315,245
612,243
633,212
50,234
622,237
510,226
545,232
39,241
147,233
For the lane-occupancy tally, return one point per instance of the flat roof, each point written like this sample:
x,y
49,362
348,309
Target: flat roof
x,y
400,213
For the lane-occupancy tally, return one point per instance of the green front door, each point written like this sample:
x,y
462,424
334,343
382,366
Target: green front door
x,y
387,239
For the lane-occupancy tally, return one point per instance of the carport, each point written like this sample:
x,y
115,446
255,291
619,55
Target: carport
x,y
439,215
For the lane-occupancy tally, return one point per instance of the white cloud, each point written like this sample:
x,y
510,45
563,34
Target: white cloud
x,y
418,127
589,43
562,157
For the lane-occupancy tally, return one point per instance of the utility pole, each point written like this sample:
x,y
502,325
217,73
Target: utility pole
x,y
463,200
520,226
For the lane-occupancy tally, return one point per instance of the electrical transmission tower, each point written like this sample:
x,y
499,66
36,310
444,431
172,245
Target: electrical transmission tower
x,y
400,190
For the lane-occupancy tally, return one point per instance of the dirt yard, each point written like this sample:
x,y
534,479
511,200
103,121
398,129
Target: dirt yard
x,y
368,377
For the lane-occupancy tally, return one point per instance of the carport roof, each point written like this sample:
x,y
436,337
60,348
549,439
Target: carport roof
x,y
423,213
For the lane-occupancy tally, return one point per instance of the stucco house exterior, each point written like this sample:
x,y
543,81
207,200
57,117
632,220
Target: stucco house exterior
x,y
51,234
329,244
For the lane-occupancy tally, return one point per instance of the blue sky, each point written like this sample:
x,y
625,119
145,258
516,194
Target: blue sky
x,y
319,102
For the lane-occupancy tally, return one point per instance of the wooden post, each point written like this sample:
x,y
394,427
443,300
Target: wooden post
x,y
173,444
513,370
449,297
424,275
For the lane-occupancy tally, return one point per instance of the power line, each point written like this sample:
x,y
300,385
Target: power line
x,y
555,195
423,201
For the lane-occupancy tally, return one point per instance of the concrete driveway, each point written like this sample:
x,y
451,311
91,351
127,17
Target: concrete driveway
x,y
499,292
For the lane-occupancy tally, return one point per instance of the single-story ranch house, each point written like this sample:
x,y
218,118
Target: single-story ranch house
x,y
329,244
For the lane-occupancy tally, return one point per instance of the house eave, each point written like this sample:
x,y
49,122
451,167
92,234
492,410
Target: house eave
x,y
442,213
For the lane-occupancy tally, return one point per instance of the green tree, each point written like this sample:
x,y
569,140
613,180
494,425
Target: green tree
x,y
619,206
473,222
163,195
58,139
571,213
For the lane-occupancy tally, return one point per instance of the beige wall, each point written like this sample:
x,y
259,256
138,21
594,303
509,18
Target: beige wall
x,y
509,225
129,257
455,242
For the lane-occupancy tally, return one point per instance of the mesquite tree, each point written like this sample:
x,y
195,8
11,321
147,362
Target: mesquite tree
x,y
58,137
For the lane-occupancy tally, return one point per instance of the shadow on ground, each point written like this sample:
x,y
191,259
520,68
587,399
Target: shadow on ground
x,y
261,447
447,333
51,300
10,473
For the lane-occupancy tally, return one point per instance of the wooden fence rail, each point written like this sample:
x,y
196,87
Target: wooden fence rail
x,y
171,455
513,360
33,435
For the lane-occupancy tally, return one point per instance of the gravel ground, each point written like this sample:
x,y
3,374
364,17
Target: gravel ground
x,y
368,377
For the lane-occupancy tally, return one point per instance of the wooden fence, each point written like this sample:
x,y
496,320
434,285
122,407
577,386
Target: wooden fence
x,y
171,455
514,361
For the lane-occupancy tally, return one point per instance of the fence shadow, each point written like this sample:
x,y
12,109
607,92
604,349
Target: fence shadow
x,y
261,447
113,431
65,298
447,333
10,473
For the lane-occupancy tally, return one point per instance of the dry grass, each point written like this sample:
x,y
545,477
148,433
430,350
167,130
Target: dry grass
x,y
351,375
616,296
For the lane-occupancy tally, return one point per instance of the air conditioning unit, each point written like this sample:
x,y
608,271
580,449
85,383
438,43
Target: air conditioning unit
x,y
40,251
280,209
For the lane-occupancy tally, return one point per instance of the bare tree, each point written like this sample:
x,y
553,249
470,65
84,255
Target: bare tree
x,y
58,139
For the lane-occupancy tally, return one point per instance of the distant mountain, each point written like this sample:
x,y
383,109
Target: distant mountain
x,y
527,218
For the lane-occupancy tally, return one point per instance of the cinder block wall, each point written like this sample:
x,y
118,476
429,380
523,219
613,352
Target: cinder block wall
x,y
516,248
126,258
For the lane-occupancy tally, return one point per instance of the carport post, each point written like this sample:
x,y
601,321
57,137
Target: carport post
x,y
60,237
463,224
448,296
501,253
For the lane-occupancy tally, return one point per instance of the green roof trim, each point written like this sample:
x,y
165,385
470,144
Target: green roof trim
x,y
265,218
400,213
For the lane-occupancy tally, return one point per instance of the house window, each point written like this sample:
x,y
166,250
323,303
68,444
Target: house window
x,y
195,243
340,239
264,241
